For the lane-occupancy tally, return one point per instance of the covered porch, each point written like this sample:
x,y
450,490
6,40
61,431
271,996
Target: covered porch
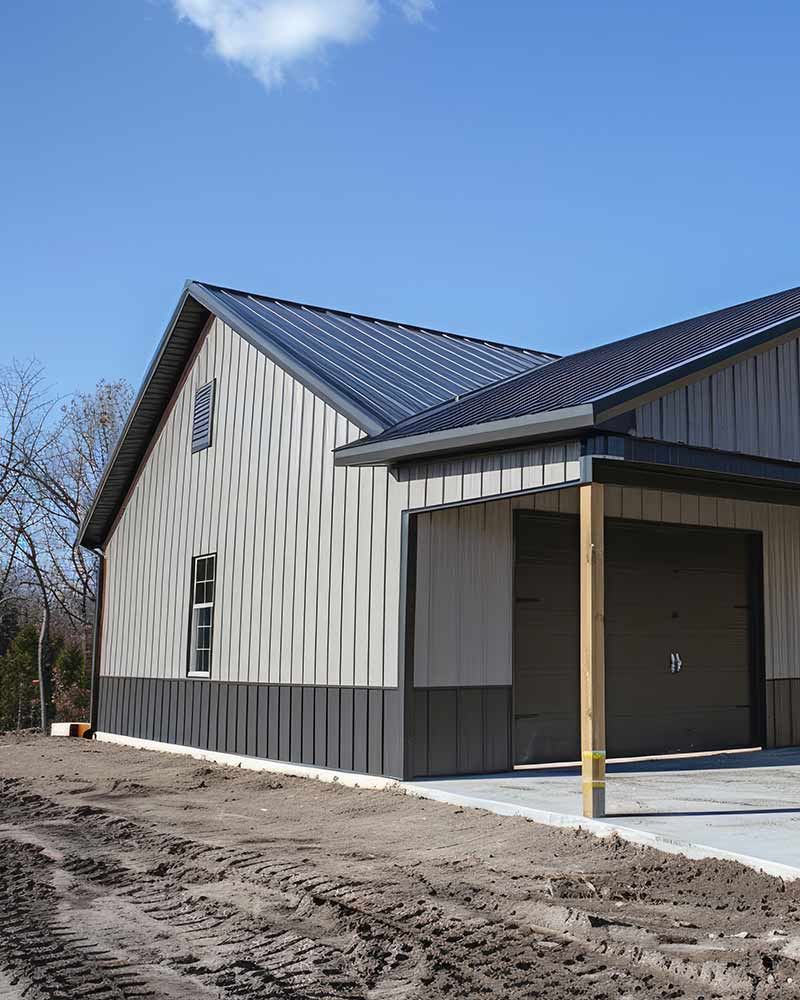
x,y
500,677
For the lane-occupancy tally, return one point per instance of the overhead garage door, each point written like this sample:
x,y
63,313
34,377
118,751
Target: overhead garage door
x,y
680,663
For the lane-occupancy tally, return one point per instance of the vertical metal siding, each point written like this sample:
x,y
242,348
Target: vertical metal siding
x,y
464,568
752,406
464,599
308,555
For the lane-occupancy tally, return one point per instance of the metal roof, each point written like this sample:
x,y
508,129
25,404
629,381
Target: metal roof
x,y
608,376
398,382
377,371
373,371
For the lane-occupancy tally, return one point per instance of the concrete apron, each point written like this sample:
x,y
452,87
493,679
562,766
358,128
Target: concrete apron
x,y
742,807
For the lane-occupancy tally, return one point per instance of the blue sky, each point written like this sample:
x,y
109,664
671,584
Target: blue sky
x,y
548,174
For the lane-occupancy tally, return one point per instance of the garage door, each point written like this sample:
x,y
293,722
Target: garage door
x,y
680,669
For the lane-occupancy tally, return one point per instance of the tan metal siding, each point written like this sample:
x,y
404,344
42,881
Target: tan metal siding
x,y
464,600
464,570
308,555
752,406
490,475
261,498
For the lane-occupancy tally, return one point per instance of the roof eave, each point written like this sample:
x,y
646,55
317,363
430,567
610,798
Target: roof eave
x,y
86,538
484,435
93,531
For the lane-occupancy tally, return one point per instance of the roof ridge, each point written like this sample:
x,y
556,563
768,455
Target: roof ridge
x,y
376,319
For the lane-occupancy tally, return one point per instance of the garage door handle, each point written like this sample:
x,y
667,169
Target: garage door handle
x,y
675,663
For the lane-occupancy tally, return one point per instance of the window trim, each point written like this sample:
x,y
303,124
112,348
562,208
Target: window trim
x,y
191,651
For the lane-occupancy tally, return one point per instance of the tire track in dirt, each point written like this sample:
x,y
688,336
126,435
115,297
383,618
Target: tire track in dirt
x,y
9,988
476,957
38,953
317,934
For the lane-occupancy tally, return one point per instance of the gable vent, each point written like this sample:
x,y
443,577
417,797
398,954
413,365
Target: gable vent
x,y
203,418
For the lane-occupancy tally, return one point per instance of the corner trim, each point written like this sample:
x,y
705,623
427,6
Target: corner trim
x,y
97,638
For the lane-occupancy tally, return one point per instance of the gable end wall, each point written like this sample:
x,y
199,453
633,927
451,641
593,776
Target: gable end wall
x,y
751,406
308,555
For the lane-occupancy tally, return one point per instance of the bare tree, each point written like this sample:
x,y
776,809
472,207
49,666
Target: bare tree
x,y
15,523
26,407
26,410
66,475
51,462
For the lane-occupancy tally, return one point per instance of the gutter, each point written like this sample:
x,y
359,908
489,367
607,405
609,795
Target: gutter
x,y
494,432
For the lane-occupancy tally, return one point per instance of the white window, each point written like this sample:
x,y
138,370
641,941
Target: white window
x,y
202,621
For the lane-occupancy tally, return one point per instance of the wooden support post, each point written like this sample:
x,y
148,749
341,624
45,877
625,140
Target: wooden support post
x,y
593,667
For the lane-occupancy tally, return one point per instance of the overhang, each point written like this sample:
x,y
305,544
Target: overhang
x,y
163,375
494,433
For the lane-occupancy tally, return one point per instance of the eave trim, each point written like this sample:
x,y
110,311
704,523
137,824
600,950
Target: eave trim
x,y
492,432
91,535
97,523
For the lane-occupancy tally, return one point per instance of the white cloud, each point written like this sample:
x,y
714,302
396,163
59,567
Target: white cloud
x,y
269,37
415,10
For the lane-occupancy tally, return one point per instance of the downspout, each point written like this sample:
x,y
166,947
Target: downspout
x,y
98,637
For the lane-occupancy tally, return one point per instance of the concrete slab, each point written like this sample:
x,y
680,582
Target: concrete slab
x,y
743,806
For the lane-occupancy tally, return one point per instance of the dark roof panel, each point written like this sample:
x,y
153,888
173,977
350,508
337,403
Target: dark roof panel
x,y
613,371
374,371
387,370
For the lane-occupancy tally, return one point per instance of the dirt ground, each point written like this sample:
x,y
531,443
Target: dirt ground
x,y
126,873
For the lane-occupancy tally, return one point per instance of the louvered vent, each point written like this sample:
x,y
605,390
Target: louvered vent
x,y
203,417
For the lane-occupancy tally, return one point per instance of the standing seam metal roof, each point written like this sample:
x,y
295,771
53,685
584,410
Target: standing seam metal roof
x,y
388,370
595,374
373,371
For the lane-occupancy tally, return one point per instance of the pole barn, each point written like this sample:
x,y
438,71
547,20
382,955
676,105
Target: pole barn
x,y
347,543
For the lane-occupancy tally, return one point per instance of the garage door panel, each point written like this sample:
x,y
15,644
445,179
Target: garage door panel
x,y
652,648
560,620
719,652
546,689
546,640
536,585
668,590
547,738
677,591
674,694
691,731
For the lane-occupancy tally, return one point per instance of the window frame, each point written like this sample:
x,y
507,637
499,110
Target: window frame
x,y
195,606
